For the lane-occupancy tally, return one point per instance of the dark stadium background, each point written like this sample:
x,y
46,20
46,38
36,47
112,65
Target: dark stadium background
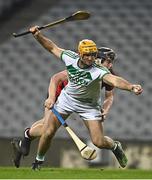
x,y
25,69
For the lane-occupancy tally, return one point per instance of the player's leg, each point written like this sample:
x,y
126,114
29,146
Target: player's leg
x,y
29,135
50,126
97,135
36,129
21,147
95,128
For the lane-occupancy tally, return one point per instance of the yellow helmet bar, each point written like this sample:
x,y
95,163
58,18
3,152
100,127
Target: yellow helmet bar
x,y
87,46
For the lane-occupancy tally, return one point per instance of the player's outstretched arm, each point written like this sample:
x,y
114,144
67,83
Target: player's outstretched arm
x,y
123,84
45,42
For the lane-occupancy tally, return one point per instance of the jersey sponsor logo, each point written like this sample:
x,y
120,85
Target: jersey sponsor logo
x,y
79,77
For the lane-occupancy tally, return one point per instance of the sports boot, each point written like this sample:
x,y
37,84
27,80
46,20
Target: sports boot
x,y
36,165
120,155
17,152
25,144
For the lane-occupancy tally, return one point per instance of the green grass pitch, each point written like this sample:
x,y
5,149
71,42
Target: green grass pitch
x,y
61,173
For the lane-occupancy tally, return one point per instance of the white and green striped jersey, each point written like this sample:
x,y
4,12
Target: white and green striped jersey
x,y
84,84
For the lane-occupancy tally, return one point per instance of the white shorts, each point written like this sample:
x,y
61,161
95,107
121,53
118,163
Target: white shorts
x,y
67,105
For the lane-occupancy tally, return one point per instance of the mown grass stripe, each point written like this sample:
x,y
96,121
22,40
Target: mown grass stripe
x,y
64,173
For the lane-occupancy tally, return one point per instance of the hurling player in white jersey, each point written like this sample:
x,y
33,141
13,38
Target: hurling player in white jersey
x,y
81,95
21,146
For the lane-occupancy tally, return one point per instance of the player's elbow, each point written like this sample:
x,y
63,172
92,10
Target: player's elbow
x,y
55,79
110,80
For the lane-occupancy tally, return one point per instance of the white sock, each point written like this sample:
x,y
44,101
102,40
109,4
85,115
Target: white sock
x,y
20,143
115,146
40,158
26,134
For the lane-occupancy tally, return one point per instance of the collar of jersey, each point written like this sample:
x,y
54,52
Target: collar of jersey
x,y
83,68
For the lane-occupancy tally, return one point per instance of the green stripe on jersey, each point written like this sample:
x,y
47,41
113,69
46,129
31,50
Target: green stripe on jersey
x,y
78,77
61,55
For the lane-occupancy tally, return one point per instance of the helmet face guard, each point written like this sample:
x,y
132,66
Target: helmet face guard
x,y
105,53
87,47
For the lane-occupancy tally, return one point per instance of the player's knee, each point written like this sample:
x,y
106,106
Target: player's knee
x,y
98,142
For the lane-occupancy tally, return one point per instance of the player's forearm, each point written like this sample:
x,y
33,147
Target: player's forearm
x,y
52,89
54,82
122,84
117,82
45,42
107,104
